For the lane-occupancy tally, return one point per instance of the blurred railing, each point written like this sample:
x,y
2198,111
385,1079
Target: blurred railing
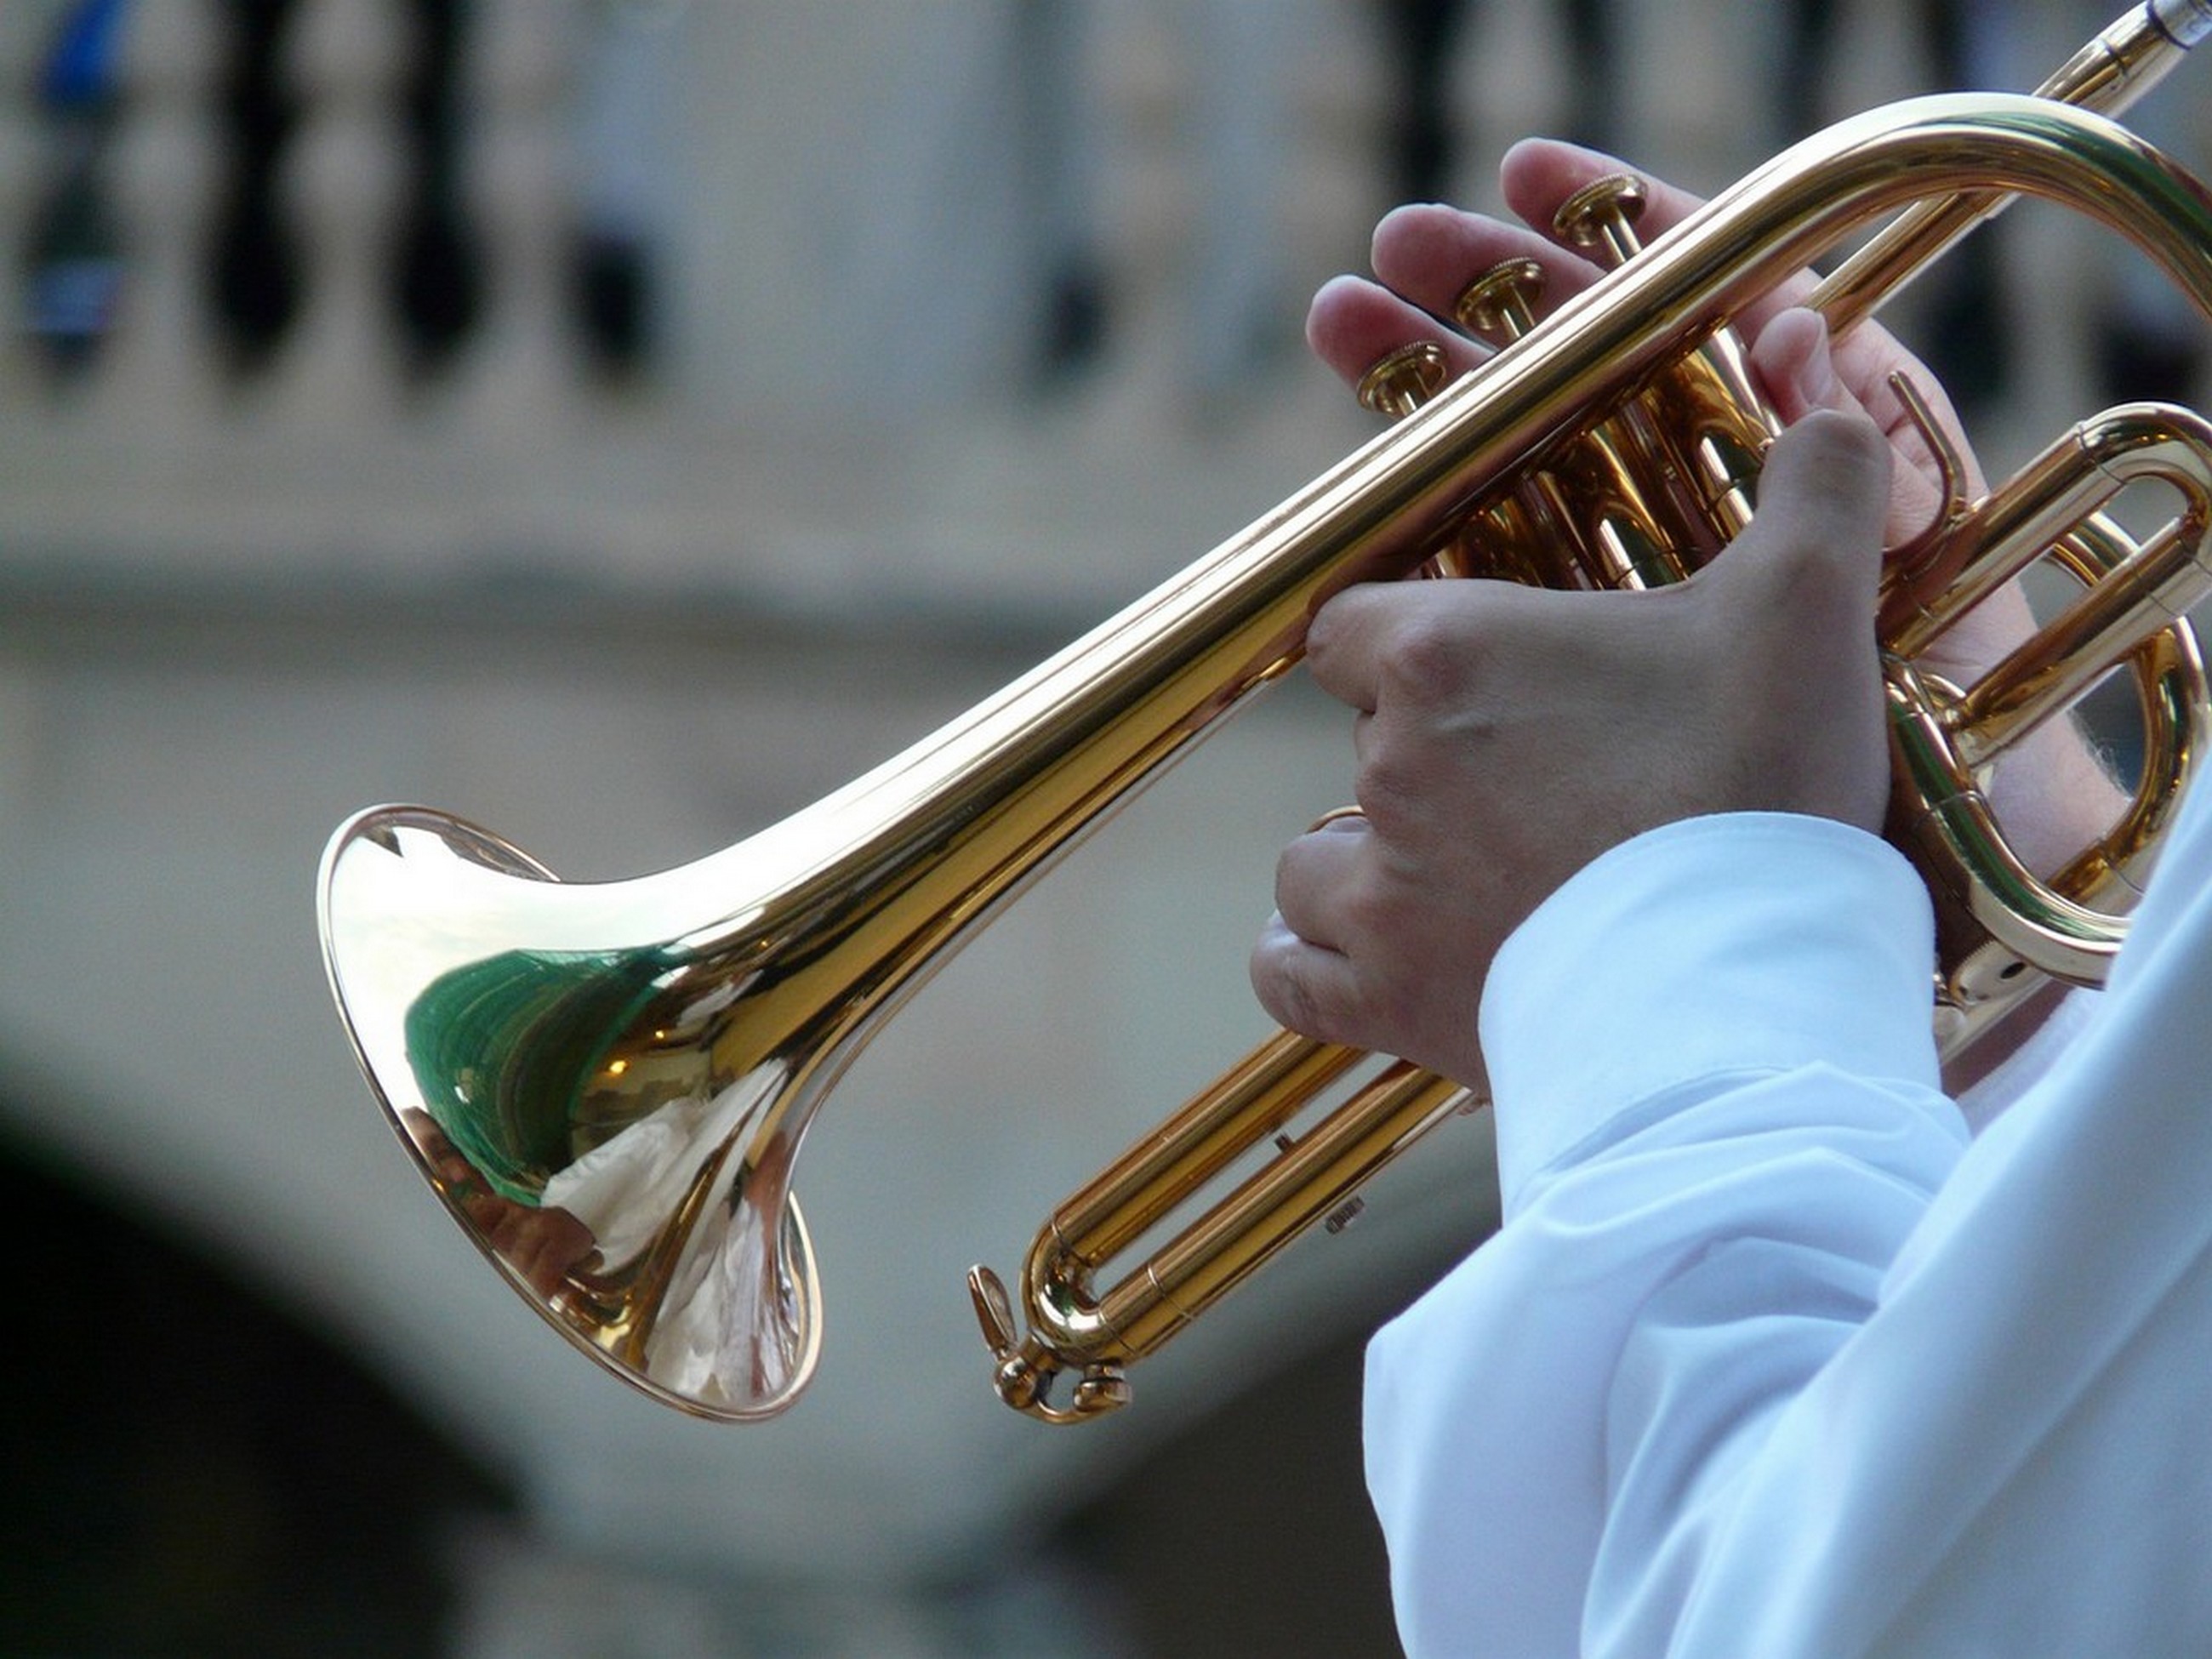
x,y
286,205
289,275
361,296
366,295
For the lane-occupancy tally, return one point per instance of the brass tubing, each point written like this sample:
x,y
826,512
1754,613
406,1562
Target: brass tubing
x,y
1147,1307
1278,1201
2171,694
1332,1161
2068,655
1637,490
1996,538
2053,926
2157,585
2108,75
1250,1101
1958,829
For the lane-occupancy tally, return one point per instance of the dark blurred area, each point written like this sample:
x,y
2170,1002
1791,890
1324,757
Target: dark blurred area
x,y
190,1472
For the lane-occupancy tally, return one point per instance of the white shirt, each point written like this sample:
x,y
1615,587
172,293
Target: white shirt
x,y
1771,1358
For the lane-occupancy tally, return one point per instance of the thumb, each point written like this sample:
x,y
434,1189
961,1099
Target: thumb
x,y
1814,544
1795,362
1795,596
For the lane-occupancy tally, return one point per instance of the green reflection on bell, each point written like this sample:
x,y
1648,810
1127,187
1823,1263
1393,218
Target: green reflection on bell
x,y
502,1047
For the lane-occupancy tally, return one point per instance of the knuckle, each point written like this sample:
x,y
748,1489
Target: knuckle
x,y
1416,781
1337,621
1389,792
1287,993
1426,659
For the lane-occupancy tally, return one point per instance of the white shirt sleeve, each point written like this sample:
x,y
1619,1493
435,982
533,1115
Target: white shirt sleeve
x,y
1766,1360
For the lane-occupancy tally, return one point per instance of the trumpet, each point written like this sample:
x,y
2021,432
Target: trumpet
x,y
607,1085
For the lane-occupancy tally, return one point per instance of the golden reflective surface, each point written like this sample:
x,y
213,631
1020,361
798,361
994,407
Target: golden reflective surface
x,y
608,1084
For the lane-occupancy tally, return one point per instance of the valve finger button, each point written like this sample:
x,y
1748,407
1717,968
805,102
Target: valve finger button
x,y
1502,301
1402,381
1601,217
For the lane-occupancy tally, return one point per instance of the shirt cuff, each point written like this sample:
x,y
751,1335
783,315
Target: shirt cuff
x,y
1752,942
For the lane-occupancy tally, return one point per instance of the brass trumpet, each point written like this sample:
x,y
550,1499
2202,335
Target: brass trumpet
x,y
607,1085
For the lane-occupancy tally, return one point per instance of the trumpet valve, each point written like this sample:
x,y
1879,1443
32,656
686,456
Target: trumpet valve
x,y
1601,217
1502,301
1402,381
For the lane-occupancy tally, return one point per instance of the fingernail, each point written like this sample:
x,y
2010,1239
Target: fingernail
x,y
1816,374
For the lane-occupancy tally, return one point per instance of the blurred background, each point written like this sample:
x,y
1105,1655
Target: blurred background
x,y
621,422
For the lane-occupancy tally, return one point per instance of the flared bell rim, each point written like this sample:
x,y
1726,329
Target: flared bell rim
x,y
428,835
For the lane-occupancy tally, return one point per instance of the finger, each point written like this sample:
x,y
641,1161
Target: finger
x,y
1795,362
1431,254
1353,324
1425,256
1792,359
1538,175
1418,643
1795,601
540,1260
1798,362
501,1221
1377,640
1314,876
1342,642
1304,988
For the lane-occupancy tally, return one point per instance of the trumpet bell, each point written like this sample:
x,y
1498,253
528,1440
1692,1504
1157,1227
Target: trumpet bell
x,y
537,1054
